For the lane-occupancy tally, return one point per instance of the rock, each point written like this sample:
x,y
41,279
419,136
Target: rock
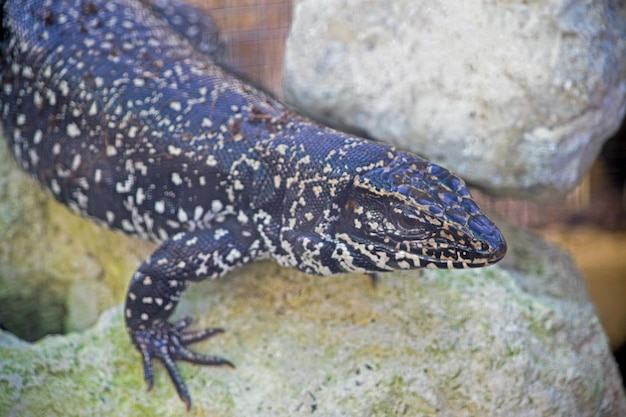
x,y
517,98
460,343
510,340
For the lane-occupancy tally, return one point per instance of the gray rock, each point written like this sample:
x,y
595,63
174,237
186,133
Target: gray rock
x,y
517,98
519,339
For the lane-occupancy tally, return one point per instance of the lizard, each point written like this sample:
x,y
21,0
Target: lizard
x,y
120,111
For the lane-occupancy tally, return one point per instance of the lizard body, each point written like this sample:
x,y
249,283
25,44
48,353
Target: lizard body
x,y
121,114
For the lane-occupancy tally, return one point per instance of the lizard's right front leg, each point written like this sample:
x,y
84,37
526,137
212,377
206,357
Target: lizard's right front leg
x,y
157,286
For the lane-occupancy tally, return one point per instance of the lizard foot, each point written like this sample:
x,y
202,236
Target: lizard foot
x,y
168,342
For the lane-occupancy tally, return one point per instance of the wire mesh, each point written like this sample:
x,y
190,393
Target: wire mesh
x,y
254,32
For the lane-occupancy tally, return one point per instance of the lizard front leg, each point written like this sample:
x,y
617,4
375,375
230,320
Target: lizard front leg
x,y
156,288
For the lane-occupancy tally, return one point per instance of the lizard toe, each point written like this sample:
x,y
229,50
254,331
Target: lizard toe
x,y
166,342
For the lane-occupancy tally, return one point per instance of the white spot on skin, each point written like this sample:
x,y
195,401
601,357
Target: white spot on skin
x,y
306,160
216,206
141,167
93,110
17,137
172,224
132,131
163,235
176,106
404,265
34,158
37,99
282,149
173,150
64,88
176,179
159,206
126,186
198,212
27,72
220,233
242,218
127,226
182,216
140,196
37,137
233,256
76,162
211,161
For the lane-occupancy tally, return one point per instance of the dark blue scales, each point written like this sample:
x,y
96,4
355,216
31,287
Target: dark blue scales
x,y
118,109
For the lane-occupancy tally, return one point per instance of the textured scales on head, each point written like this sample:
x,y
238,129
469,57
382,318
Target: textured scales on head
x,y
411,214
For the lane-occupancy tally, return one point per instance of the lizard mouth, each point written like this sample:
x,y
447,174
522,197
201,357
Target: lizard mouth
x,y
477,252
476,244
430,253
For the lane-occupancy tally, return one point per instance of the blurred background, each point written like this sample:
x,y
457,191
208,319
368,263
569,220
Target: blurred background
x,y
590,222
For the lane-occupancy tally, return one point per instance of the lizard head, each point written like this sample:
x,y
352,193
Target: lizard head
x,y
410,214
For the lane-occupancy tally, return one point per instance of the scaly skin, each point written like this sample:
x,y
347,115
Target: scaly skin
x,y
119,111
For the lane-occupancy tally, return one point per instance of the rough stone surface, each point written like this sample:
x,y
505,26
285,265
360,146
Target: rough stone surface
x,y
516,97
521,339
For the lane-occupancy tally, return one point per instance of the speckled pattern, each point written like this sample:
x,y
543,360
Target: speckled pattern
x,y
117,109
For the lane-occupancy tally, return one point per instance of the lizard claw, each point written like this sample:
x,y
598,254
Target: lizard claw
x,y
167,342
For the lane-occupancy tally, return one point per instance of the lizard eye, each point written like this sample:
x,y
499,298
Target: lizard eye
x,y
406,221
